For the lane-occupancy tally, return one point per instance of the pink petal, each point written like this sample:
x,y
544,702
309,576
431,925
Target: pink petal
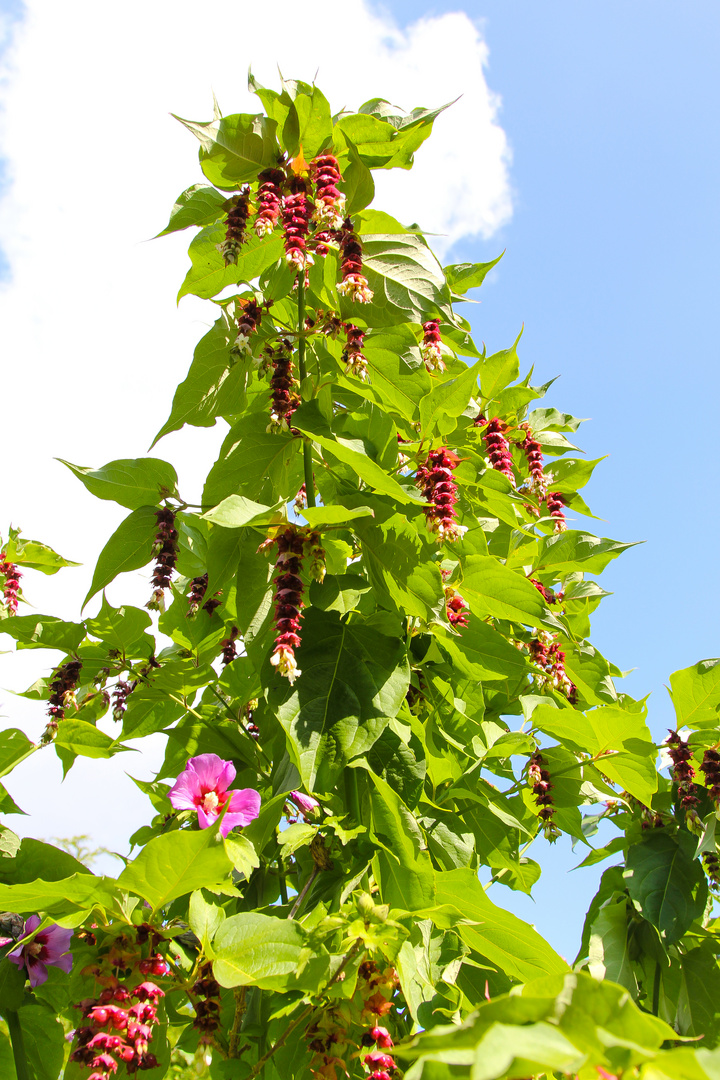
x,y
244,807
56,941
205,820
16,956
37,972
65,962
32,924
184,791
213,773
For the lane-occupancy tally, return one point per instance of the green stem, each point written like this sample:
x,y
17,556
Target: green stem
x,y
283,885
307,443
18,1046
301,896
656,991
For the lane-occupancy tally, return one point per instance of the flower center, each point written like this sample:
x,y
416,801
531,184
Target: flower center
x,y
210,802
35,948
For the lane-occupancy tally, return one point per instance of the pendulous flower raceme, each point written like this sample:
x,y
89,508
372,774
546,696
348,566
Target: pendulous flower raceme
x,y
354,284
539,779
269,200
355,362
683,772
534,455
203,787
710,766
165,551
289,590
430,346
248,323
556,504
296,212
49,947
456,607
11,585
329,211
62,696
284,393
435,479
238,208
498,448
546,653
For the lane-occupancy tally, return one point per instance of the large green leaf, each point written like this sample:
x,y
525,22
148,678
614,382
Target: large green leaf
x,y
214,385
506,941
252,949
699,992
398,378
448,398
480,653
57,897
464,276
44,1040
133,482
123,629
197,205
129,548
354,678
85,739
572,550
407,282
665,882
383,145
609,953
404,866
32,555
176,864
261,465
493,589
312,423
208,275
43,632
695,693
498,371
234,149
400,569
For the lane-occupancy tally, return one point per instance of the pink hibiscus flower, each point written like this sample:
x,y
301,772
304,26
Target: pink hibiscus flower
x,y
50,946
203,786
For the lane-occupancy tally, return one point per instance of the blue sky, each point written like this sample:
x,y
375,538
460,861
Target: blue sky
x,y
610,110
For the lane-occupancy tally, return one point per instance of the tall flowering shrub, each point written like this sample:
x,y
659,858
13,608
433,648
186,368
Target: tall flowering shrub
x,y
367,652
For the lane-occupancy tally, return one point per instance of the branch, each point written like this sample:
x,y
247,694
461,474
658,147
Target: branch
x,y
307,443
18,1046
239,994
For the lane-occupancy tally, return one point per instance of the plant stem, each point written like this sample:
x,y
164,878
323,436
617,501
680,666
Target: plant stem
x,y
656,990
281,878
307,443
301,896
18,1046
239,994
305,1013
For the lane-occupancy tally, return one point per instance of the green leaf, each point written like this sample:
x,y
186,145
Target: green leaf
x,y
257,950
573,550
241,853
700,988
499,370
208,275
44,1039
382,145
261,465
354,677
514,946
32,555
177,863
43,632
398,563
493,589
448,398
197,205
58,897
320,516
464,276
234,149
205,916
315,128
609,955
86,740
129,548
14,748
665,883
12,985
123,629
312,423
695,693
132,483
481,653
35,859
214,385
407,282
404,866
568,474
357,184
236,512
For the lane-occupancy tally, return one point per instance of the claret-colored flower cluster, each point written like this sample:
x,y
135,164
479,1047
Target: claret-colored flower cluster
x,y
435,479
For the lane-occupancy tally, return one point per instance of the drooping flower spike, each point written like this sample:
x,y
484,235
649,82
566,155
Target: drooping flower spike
x,y
711,767
355,362
289,590
165,551
539,779
546,653
329,202
354,284
296,211
435,478
456,608
238,208
680,754
555,504
269,198
203,786
247,325
430,346
533,453
48,948
498,448
11,587
284,388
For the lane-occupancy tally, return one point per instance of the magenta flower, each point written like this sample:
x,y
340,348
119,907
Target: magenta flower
x,y
304,802
203,786
50,946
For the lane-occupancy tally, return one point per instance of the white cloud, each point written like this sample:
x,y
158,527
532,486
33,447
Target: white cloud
x,y
92,341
